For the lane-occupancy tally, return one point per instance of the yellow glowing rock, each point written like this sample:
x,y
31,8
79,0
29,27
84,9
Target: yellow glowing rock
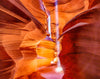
x,y
47,44
48,53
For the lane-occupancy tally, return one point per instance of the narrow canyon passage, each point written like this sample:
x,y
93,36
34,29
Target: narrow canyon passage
x,y
49,39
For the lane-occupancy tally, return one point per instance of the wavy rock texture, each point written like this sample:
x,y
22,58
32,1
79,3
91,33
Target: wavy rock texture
x,y
18,29
23,24
80,54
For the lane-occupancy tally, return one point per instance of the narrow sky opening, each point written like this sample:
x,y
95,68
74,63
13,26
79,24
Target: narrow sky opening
x,y
49,24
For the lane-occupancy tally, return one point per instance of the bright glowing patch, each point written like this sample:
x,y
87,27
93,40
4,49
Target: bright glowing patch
x,y
52,62
55,59
59,69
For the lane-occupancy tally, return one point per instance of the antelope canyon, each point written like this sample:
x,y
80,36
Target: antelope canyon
x,y
49,39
